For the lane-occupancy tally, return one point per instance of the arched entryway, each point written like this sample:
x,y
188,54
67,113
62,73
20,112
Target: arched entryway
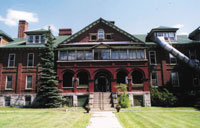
x,y
102,82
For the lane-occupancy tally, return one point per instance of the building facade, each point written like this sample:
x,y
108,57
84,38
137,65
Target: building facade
x,y
91,63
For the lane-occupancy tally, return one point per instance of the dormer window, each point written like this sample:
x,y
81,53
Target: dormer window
x,y
168,36
35,39
100,34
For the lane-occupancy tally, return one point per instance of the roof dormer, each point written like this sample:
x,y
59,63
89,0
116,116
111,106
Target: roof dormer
x,y
168,33
195,35
36,36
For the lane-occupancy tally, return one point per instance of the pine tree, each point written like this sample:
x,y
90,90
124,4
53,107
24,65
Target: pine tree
x,y
48,93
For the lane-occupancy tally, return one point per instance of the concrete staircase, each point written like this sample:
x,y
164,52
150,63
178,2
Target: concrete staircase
x,y
102,101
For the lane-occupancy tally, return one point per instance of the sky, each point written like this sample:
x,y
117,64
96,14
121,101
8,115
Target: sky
x,y
133,16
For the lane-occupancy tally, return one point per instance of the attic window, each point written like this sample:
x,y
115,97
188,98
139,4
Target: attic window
x,y
108,36
100,34
169,36
35,39
93,37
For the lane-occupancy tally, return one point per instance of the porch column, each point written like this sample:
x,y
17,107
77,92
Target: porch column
x,y
114,83
129,82
75,82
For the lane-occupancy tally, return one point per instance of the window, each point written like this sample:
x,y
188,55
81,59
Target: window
x,y
108,36
175,79
169,36
172,59
88,55
42,39
137,77
123,54
8,82
192,54
115,54
7,100
154,79
30,39
30,60
152,57
80,55
102,54
63,55
132,54
196,80
140,54
11,60
71,55
100,34
29,80
37,39
27,100
93,37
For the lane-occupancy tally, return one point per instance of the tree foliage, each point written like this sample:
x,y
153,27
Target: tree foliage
x,y
123,99
48,94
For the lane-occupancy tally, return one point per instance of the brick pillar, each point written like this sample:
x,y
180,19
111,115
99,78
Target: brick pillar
x,y
75,82
114,83
91,86
18,87
129,82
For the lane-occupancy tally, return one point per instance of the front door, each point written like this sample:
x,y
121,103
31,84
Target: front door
x,y
102,83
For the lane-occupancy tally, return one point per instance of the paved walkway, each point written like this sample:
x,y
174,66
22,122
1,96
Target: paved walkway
x,y
104,120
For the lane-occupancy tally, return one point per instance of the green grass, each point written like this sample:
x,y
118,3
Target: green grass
x,y
157,117
43,118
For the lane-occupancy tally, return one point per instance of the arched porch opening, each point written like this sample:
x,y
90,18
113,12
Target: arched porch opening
x,y
122,77
102,81
138,77
68,79
83,79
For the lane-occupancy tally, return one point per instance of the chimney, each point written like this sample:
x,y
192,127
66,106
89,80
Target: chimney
x,y
65,32
23,26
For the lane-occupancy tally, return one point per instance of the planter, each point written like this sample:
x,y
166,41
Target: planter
x,y
118,109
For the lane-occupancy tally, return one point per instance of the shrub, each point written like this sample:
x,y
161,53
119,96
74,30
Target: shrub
x,y
162,97
123,99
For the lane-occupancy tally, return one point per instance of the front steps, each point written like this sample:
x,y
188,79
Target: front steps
x,y
102,101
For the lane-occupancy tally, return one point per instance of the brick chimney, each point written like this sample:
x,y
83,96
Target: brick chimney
x,y
23,26
65,32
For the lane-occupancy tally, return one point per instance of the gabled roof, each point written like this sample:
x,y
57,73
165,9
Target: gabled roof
x,y
110,24
2,33
194,33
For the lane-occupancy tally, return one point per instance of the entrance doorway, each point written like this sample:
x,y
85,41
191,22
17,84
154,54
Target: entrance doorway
x,y
102,82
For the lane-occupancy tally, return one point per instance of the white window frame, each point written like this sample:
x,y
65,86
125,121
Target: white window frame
x,y
27,81
170,57
177,79
7,82
154,57
32,61
40,39
156,79
98,34
93,34
9,60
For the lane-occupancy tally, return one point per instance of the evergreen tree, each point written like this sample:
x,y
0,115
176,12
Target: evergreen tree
x,y
48,93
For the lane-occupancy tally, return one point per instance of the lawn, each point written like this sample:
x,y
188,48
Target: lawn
x,y
43,118
156,117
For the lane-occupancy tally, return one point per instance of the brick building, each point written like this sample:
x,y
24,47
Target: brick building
x,y
93,61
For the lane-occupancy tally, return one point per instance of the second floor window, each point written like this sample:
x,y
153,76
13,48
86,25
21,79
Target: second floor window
x,y
8,82
30,59
11,60
102,54
172,59
152,57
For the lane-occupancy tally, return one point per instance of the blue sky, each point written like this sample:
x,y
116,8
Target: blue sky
x,y
133,16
